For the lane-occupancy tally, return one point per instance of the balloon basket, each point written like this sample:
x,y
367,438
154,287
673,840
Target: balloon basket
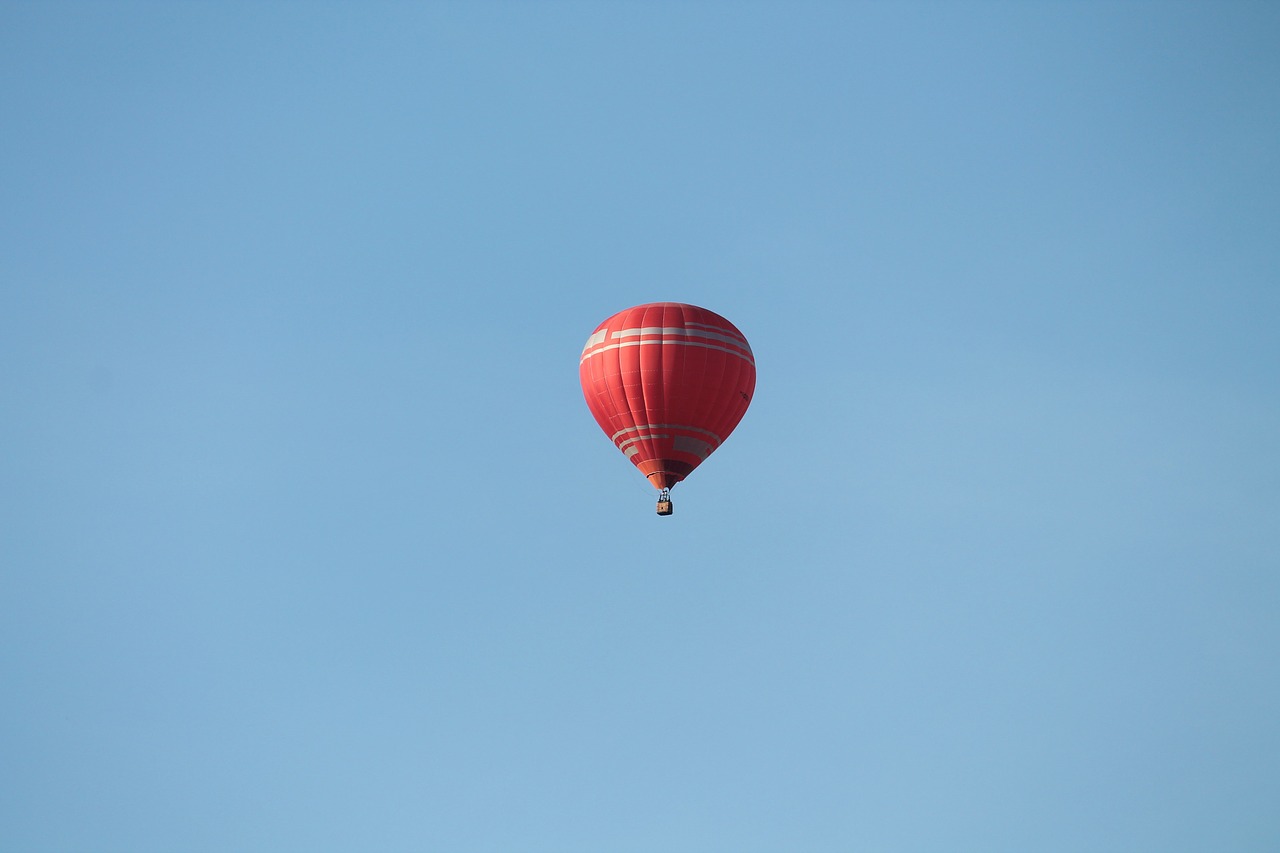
x,y
664,502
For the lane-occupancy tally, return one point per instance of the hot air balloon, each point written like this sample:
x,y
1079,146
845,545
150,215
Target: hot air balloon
x,y
667,382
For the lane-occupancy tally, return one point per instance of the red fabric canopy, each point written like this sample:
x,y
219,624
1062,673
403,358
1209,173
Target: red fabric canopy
x,y
667,382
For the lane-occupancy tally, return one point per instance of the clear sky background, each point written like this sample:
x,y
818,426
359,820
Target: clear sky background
x,y
308,540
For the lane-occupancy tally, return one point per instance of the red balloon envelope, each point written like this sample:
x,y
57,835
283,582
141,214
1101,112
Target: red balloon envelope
x,y
667,382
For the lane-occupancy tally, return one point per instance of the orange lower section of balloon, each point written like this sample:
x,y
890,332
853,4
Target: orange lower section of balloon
x,y
665,473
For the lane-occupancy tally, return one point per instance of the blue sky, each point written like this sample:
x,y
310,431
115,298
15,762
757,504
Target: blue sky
x,y
310,543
